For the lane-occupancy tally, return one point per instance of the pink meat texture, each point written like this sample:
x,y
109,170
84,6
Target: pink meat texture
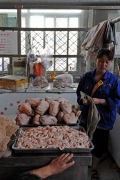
x,y
66,106
49,99
34,102
40,81
42,107
60,99
60,116
26,108
47,119
58,137
71,117
54,107
63,80
75,108
36,119
22,119
58,110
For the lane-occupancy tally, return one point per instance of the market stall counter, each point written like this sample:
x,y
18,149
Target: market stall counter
x,y
17,162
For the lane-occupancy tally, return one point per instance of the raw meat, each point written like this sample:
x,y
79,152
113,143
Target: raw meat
x,y
49,99
54,107
7,129
47,119
60,116
63,80
52,137
42,107
22,119
75,108
66,106
60,99
40,81
34,102
36,119
26,108
71,118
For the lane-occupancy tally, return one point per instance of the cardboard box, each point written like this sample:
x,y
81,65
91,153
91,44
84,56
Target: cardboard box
x,y
19,66
14,83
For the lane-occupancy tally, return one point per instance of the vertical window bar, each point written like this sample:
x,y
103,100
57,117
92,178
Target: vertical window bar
x,y
67,48
67,44
28,45
54,48
79,64
44,37
2,64
54,42
19,32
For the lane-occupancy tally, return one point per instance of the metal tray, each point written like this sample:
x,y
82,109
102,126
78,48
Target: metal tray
x,y
51,150
58,124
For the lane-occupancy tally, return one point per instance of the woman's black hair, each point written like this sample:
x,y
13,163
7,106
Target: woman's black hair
x,y
106,52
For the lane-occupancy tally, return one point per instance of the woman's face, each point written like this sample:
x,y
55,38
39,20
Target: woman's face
x,y
103,63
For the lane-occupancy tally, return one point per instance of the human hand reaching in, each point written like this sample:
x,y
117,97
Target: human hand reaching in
x,y
61,163
56,166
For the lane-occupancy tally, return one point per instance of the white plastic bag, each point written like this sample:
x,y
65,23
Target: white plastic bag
x,y
31,56
40,81
63,80
46,57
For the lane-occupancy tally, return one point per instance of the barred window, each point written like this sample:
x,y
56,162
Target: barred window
x,y
4,61
60,31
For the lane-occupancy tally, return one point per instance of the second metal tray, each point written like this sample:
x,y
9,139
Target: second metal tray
x,y
50,150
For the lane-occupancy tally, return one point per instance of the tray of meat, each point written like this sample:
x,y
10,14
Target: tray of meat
x,y
52,139
46,121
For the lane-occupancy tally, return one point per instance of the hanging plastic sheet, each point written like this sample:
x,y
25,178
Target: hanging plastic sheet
x,y
46,57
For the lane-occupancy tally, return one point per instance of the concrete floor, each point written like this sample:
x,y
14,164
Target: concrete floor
x,y
107,169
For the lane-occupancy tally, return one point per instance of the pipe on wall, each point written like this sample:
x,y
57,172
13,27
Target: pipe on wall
x,y
62,2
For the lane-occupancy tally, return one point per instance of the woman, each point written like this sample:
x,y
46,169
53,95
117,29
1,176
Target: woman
x,y
106,96
56,166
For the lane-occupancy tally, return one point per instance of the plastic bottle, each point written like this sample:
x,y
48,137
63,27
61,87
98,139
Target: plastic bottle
x,y
31,84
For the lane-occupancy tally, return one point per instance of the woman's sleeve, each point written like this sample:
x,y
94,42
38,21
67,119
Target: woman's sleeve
x,y
24,176
113,100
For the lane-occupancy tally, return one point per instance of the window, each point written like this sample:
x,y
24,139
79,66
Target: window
x,y
63,30
4,61
61,33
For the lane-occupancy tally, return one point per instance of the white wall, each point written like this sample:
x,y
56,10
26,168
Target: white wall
x,y
9,101
114,141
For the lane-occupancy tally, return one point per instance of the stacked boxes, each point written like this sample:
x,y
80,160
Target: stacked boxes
x,y
14,83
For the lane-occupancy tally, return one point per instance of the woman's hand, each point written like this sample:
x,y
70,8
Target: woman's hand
x,y
96,100
61,163
85,101
99,101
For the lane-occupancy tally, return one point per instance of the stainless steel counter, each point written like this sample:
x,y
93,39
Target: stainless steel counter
x,y
48,89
